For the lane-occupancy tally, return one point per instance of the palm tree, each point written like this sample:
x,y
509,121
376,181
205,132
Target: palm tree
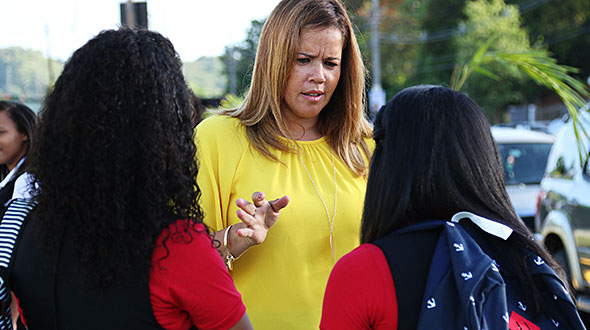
x,y
543,69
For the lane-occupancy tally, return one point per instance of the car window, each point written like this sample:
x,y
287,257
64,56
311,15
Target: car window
x,y
524,162
564,158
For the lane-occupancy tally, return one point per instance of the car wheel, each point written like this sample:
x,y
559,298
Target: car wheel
x,y
559,256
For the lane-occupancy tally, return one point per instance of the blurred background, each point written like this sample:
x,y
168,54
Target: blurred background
x,y
526,62
403,42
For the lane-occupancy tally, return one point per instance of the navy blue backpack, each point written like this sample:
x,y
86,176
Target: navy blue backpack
x,y
467,289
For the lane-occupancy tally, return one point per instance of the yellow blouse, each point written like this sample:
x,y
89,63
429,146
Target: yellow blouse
x,y
282,281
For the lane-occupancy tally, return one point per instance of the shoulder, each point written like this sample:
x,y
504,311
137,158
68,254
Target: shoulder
x,y
360,292
221,131
182,232
370,144
217,124
364,255
366,263
21,186
184,247
189,284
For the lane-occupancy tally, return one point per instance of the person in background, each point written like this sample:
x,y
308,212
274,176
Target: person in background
x,y
301,131
434,158
17,123
116,240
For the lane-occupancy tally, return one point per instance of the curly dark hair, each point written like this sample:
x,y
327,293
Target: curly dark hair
x,y
114,161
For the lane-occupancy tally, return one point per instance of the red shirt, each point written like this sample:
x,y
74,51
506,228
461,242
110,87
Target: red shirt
x,y
360,292
191,286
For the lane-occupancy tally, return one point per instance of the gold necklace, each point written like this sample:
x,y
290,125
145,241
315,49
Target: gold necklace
x,y
330,220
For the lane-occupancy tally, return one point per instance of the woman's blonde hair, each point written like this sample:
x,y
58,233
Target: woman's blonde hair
x,y
342,121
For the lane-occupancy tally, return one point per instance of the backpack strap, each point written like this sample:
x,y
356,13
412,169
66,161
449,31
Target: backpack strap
x,y
10,227
408,252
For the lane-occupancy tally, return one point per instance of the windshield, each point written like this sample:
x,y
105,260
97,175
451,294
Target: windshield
x,y
524,162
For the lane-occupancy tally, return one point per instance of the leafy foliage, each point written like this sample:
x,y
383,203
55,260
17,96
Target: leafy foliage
x,y
239,59
485,19
423,40
206,77
26,73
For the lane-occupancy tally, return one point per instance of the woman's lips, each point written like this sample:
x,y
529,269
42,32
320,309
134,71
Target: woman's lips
x,y
313,96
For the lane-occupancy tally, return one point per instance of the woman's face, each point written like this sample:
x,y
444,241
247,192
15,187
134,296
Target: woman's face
x,y
313,77
12,143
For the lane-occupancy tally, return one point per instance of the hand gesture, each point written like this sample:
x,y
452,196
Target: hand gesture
x,y
259,216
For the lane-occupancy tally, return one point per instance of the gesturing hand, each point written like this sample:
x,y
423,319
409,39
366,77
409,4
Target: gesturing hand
x,y
259,217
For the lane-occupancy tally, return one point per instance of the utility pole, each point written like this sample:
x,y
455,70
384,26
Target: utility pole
x,y
376,94
134,14
130,14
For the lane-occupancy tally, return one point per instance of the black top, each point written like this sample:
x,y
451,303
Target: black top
x,y
52,297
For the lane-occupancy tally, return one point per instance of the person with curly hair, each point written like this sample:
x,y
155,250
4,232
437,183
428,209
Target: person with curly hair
x,y
301,131
116,240
17,123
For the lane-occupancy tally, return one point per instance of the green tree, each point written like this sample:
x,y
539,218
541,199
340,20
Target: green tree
x,y
431,36
486,19
206,77
539,66
437,55
564,28
400,34
25,73
239,59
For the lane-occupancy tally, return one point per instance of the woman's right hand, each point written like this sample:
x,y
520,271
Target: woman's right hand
x,y
259,216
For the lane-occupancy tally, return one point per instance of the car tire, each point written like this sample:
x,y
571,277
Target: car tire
x,y
561,259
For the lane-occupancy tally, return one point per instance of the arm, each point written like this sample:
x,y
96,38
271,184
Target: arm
x,y
218,162
243,324
14,314
189,284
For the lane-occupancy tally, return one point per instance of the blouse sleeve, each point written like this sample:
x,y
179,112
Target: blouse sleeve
x,y
360,293
219,147
190,285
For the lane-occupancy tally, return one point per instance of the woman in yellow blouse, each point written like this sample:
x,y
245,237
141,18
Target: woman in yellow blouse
x,y
301,131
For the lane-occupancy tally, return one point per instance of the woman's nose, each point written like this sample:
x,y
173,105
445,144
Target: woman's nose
x,y
317,73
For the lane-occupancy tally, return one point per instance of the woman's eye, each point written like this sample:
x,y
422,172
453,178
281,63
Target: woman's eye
x,y
331,64
303,60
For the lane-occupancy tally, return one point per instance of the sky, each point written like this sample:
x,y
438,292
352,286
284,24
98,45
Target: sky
x,y
195,27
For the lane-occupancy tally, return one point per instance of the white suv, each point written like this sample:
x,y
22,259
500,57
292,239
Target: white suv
x,y
563,217
524,155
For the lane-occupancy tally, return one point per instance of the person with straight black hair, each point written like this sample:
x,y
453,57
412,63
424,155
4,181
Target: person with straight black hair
x,y
436,164
116,239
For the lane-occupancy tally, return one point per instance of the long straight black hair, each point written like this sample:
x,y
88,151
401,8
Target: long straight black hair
x,y
435,156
